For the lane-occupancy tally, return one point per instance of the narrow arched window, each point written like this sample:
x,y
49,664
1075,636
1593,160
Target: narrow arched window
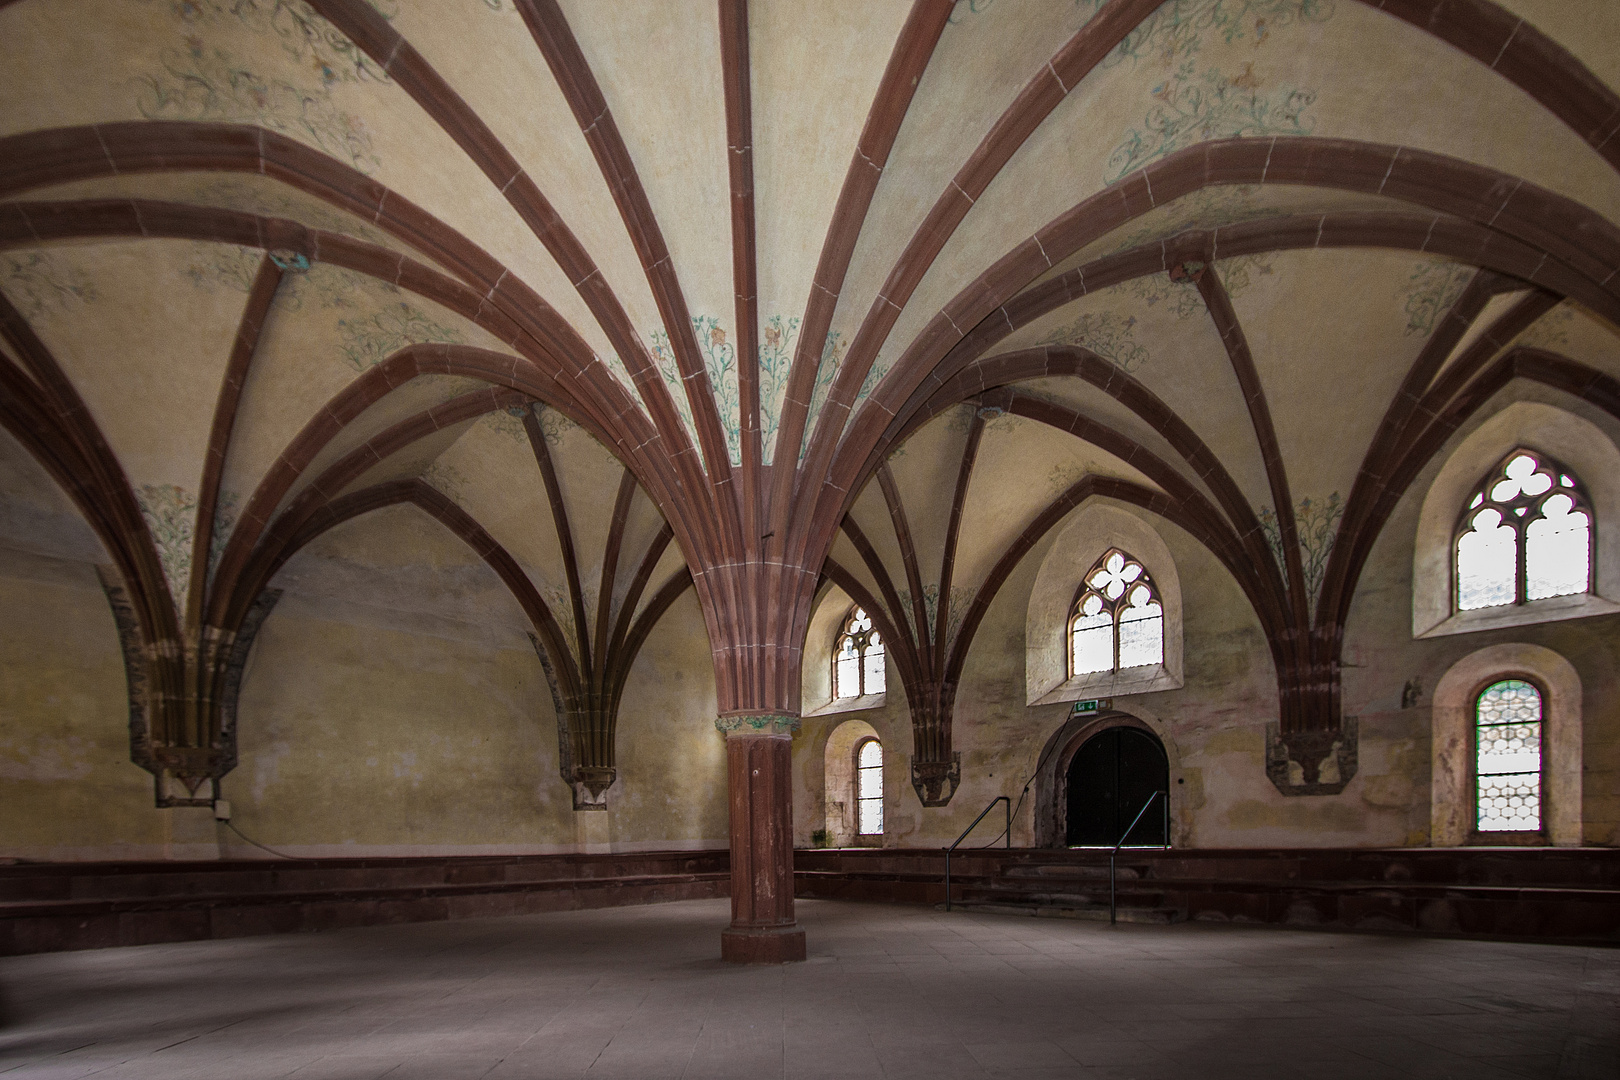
x,y
858,658
869,788
1117,621
1507,758
1525,535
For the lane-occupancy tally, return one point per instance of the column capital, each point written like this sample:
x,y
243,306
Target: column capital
x,y
764,724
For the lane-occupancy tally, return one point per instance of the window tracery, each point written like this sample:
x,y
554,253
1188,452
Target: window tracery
x,y
869,788
1117,621
858,658
1526,534
1507,757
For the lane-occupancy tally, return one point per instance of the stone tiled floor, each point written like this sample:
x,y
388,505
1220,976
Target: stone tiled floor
x,y
887,992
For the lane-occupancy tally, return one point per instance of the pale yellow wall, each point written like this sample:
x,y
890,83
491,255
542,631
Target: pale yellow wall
x,y
393,706
370,724
1215,723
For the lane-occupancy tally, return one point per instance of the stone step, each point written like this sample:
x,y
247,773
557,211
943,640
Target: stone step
x,y
255,899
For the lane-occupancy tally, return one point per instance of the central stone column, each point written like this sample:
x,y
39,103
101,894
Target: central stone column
x,y
759,769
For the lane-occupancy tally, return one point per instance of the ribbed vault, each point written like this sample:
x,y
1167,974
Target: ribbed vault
x,y
752,284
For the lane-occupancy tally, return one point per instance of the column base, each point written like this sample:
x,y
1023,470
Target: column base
x,y
762,945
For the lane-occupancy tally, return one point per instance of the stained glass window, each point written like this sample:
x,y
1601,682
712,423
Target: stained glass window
x,y
858,658
1118,622
1507,757
1525,535
869,787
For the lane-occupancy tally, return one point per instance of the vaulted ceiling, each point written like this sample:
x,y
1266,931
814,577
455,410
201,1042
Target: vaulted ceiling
x,y
1234,257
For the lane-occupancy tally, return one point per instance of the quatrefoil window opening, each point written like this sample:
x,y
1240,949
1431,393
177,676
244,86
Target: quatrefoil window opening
x,y
858,658
1526,534
1117,621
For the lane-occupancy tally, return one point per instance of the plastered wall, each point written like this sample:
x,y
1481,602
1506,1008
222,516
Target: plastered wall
x,y
393,706
378,716
1213,727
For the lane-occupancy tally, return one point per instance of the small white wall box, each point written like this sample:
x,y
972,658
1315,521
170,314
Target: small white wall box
x,y
222,810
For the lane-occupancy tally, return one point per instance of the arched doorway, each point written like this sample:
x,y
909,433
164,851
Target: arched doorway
x,y
1111,776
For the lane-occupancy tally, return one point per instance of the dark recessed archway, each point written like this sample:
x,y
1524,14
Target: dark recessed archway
x,y
1111,778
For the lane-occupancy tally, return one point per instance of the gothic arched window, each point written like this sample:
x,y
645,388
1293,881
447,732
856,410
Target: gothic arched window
x,y
1525,535
858,658
1507,757
1117,621
869,788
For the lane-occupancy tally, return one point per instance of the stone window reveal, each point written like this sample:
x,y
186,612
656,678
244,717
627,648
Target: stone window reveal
x,y
858,658
869,788
1525,535
1507,758
1117,621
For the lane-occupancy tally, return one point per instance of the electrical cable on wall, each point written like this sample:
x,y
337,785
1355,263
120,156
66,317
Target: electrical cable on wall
x,y
279,854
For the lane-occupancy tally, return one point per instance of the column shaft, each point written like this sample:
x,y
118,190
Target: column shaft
x,y
762,931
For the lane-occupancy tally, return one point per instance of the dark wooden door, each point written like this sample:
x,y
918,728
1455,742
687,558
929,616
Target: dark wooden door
x,y
1111,776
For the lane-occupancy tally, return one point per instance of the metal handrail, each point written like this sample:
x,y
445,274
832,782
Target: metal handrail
x,y
999,798
1113,888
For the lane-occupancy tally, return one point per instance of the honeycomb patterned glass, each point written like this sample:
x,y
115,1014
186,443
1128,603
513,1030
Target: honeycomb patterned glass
x,y
1507,758
869,787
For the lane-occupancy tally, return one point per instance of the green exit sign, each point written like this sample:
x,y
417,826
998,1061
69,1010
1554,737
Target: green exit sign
x,y
1088,708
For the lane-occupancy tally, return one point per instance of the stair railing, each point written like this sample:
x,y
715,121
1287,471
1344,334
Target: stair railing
x,y
1113,888
970,828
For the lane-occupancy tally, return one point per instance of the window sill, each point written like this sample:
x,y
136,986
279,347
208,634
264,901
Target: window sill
x,y
1553,609
853,704
1144,680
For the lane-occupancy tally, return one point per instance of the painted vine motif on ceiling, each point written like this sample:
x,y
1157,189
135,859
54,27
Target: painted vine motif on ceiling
x,y
1317,522
961,599
171,516
225,515
964,9
203,80
1551,331
1207,208
832,358
776,342
254,199
1197,101
374,320
450,481
720,360
1179,29
369,340
223,264
1432,287
508,424
1105,333
37,281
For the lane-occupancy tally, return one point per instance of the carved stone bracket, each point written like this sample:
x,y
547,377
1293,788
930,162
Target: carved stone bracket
x,y
936,781
1312,762
590,784
771,724
183,775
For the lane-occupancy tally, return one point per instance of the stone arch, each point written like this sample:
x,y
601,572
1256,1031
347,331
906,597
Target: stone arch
x,y
1451,796
1052,771
1094,529
1573,440
839,758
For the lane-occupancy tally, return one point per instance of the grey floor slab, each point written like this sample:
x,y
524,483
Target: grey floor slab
x,y
888,992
